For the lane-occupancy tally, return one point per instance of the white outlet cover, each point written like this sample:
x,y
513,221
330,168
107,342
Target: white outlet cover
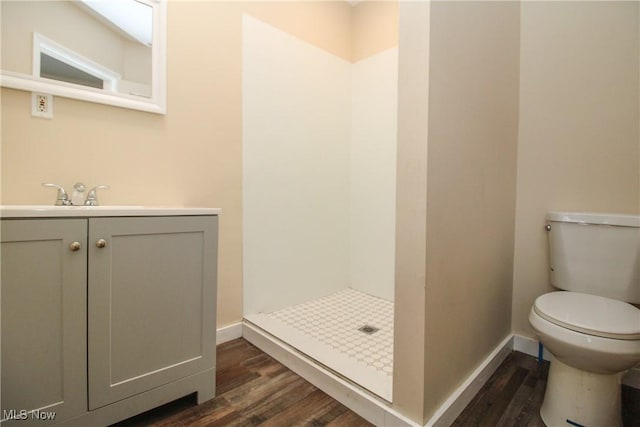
x,y
42,105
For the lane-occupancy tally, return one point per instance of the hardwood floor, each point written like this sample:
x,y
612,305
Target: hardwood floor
x,y
513,396
253,389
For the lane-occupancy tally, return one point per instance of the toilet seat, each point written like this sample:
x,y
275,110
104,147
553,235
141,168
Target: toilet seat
x,y
590,314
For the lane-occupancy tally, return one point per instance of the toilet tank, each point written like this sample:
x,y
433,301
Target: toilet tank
x,y
596,254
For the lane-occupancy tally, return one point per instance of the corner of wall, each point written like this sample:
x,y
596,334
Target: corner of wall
x,y
411,204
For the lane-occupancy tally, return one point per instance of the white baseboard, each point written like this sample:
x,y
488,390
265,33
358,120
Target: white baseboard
x,y
462,396
228,333
529,346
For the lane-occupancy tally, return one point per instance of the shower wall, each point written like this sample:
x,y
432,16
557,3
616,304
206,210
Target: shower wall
x,y
374,111
318,171
296,127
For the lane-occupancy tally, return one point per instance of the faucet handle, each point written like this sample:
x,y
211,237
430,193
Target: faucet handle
x,y
63,198
92,197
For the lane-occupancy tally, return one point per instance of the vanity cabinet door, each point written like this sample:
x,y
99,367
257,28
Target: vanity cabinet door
x,y
152,303
43,291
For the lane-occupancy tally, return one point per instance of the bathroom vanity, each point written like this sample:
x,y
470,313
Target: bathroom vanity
x,y
106,311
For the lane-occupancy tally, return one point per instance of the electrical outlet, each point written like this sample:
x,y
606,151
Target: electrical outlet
x,y
41,105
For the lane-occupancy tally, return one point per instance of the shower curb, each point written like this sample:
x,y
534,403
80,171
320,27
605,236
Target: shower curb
x,y
368,406
365,404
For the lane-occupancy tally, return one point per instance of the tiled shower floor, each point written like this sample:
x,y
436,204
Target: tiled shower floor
x,y
327,330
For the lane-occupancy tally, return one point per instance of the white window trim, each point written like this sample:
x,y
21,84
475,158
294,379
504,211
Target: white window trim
x,y
42,44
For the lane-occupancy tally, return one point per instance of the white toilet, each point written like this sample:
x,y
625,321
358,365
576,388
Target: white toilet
x,y
591,331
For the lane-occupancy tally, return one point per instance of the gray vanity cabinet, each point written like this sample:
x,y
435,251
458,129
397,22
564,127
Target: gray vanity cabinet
x,y
44,310
151,303
106,317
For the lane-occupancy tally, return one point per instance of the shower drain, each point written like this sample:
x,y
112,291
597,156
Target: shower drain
x,y
367,329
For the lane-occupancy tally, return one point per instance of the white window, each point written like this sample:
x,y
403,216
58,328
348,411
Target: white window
x,y
51,60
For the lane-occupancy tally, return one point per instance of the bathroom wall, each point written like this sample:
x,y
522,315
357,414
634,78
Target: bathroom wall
x,y
372,168
191,156
471,189
579,137
578,106
374,112
374,28
296,162
459,116
324,218
411,204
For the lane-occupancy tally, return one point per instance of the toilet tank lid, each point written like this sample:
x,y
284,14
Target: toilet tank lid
x,y
595,218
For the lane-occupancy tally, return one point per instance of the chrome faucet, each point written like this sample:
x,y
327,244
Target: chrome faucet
x,y
63,198
92,197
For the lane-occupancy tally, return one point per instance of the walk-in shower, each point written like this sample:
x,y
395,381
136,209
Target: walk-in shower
x,y
319,167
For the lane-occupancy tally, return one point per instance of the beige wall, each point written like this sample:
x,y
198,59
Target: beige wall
x,y
325,24
411,205
473,130
467,86
374,28
190,156
579,140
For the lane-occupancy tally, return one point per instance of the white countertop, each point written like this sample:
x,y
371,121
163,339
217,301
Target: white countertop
x,y
47,211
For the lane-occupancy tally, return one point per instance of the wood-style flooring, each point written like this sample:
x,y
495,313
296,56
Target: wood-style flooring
x,y
253,389
513,397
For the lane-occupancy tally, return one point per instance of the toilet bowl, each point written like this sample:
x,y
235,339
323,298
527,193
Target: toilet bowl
x,y
583,386
589,332
592,334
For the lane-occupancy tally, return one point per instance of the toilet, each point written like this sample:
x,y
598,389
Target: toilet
x,y
589,327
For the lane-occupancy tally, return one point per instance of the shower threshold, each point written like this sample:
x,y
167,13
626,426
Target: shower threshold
x,y
349,332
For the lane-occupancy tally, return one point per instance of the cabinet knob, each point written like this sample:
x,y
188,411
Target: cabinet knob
x,y
101,243
74,246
